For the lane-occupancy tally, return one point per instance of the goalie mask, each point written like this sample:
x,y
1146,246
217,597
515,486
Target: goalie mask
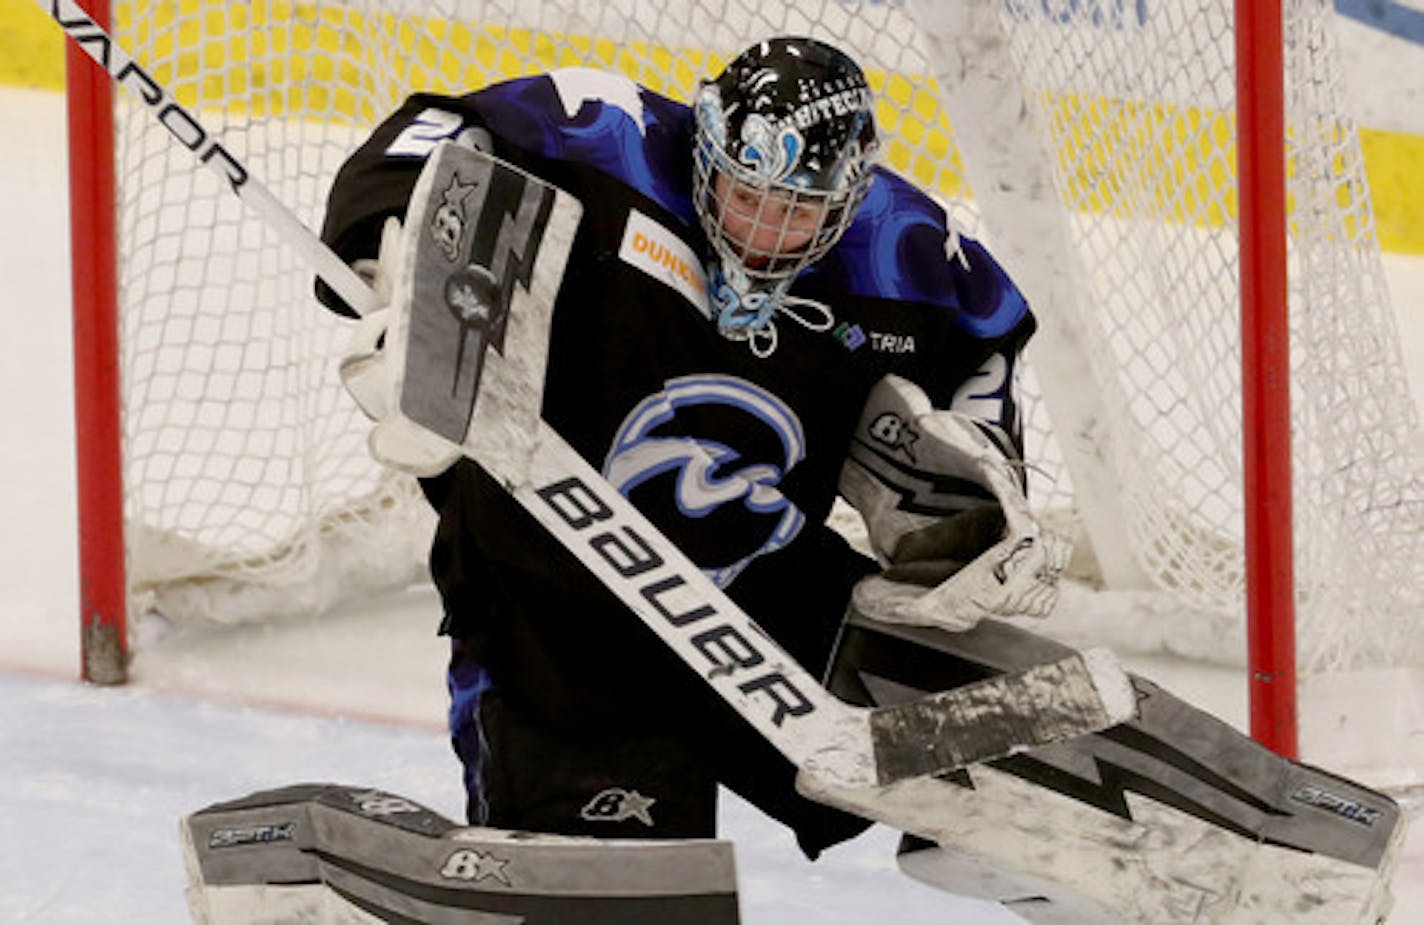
x,y
784,142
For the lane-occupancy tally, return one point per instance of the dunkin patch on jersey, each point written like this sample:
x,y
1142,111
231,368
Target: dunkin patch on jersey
x,y
664,256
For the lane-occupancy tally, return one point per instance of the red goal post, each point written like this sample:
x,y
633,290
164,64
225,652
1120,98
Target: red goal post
x,y
103,589
1265,376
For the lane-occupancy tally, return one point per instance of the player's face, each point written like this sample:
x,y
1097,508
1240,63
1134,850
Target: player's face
x,y
762,224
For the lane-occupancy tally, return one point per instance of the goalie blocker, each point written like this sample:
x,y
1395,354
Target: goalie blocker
x,y
324,853
1171,817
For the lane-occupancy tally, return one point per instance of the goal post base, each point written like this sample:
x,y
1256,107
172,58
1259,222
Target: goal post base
x,y
105,655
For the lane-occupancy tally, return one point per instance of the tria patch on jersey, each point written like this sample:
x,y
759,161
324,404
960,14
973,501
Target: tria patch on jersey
x,y
652,248
892,343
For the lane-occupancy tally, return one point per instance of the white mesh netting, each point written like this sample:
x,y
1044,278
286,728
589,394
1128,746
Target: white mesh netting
x,y
249,491
1134,109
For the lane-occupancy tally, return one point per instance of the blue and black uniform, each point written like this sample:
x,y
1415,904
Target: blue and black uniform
x,y
567,712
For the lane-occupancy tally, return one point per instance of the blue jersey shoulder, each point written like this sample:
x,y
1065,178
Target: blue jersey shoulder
x,y
894,249
603,120
899,247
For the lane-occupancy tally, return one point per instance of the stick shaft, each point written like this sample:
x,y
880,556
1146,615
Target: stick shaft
x,y
209,150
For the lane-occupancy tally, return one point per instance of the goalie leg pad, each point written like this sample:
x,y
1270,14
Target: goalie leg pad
x,y
1172,817
324,853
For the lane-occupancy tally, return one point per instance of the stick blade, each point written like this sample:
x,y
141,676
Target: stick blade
x,y
1082,693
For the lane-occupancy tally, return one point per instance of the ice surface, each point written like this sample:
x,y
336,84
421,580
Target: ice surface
x,y
94,781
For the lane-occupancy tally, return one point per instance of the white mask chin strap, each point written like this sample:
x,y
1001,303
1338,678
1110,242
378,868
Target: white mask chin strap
x,y
763,340
810,314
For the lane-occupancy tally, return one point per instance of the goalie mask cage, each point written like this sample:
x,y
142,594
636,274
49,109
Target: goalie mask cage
x,y
1091,145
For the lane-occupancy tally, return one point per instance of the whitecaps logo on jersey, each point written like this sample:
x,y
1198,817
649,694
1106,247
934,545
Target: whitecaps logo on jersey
x,y
711,474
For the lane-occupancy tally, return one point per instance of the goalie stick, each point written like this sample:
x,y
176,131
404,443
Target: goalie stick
x,y
498,398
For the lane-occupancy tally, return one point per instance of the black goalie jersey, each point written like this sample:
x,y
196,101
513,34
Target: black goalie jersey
x,y
734,456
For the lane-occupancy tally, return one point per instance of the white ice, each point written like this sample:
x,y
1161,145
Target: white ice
x,y
94,780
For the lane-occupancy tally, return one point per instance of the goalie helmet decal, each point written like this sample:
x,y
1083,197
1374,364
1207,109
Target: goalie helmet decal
x,y
769,151
791,110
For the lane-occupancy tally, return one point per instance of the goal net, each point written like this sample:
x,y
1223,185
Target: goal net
x,y
1090,143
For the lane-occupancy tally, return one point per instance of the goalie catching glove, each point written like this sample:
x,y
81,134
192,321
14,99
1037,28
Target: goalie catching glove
x,y
942,499
368,369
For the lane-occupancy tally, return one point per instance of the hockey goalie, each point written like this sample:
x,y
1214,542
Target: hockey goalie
x,y
635,350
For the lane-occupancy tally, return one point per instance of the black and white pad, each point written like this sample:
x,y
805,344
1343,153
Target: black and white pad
x,y
1171,817
472,305
324,853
